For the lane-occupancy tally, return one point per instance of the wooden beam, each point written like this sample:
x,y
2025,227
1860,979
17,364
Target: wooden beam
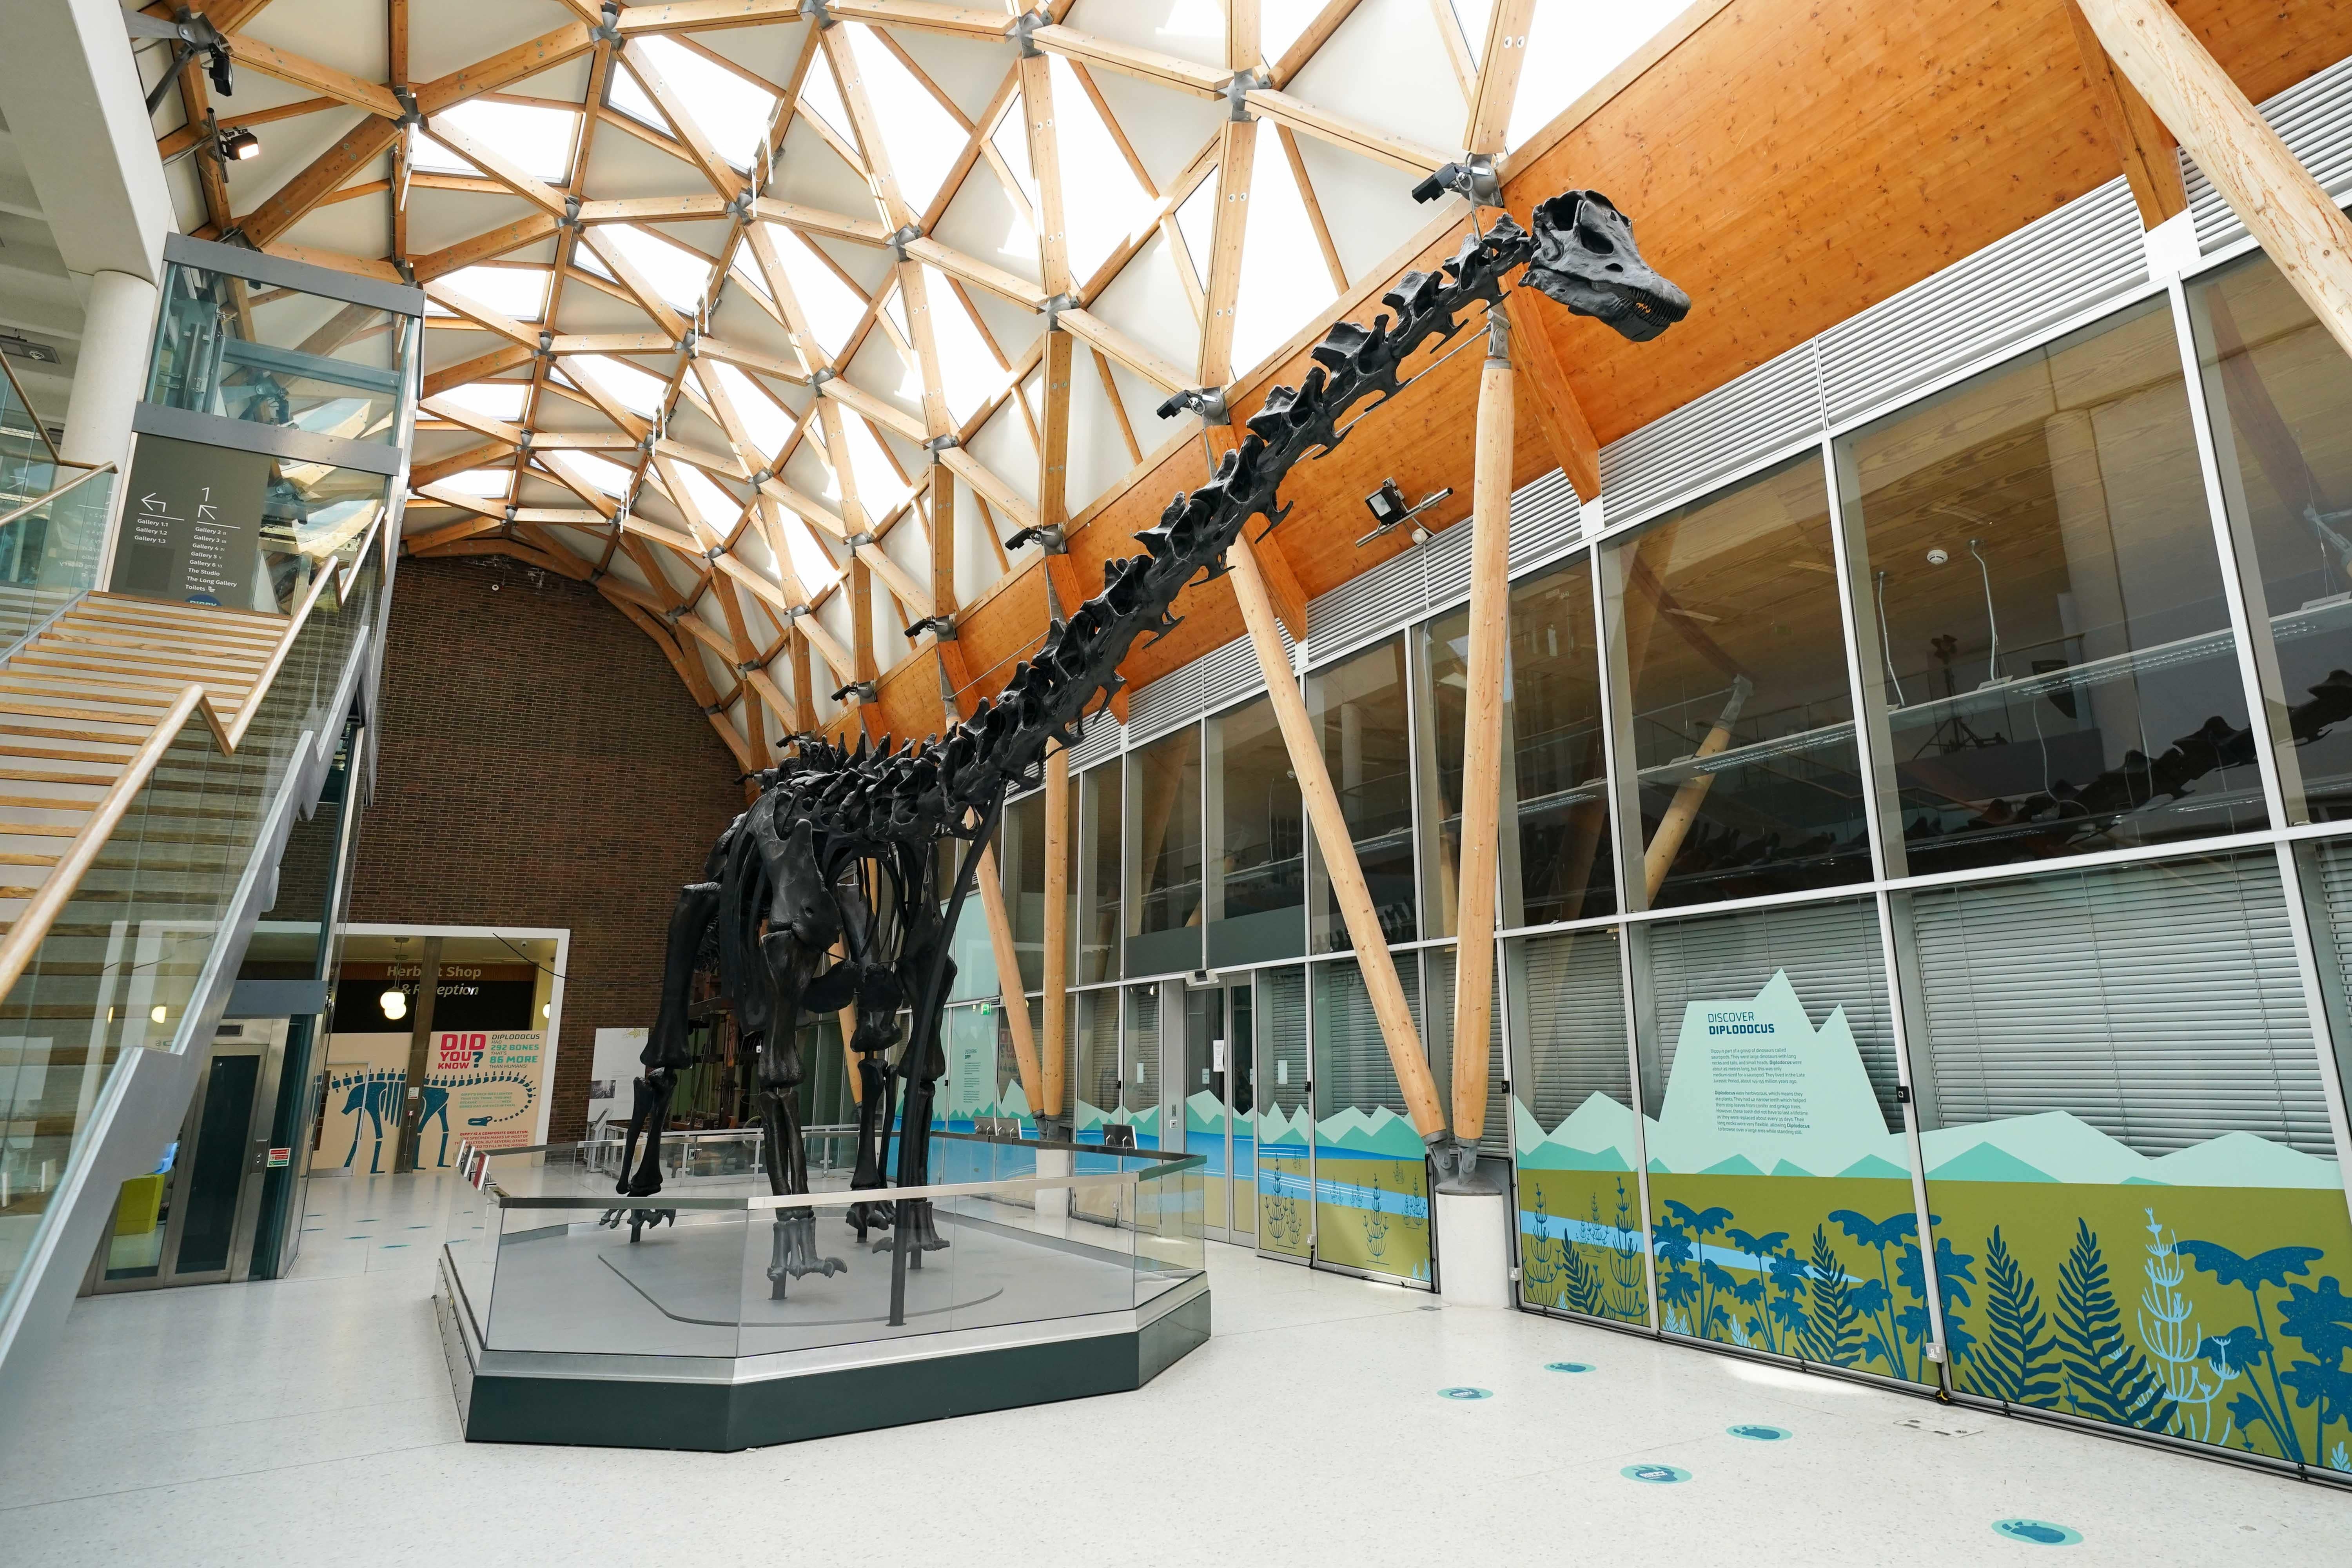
x,y
287,66
1008,977
1482,733
326,174
1338,846
2302,231
1057,930
503,170
1108,340
1148,64
482,246
1500,61
1236,162
2150,166
1352,135
1565,430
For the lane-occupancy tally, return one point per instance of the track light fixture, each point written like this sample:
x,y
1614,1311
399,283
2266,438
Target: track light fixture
x,y
239,145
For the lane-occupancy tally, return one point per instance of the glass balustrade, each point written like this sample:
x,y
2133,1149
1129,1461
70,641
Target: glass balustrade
x,y
120,966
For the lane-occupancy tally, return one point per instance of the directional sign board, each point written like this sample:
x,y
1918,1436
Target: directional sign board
x,y
191,527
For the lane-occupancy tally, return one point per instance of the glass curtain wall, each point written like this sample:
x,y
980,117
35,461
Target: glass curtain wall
x,y
1163,918
2054,670
1363,720
1916,956
1258,848
2278,395
1371,1175
1724,636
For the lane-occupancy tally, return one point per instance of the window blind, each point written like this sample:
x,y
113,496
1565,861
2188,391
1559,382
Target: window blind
x,y
2157,1002
1566,990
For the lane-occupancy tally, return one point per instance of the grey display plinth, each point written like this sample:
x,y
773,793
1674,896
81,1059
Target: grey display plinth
x,y
645,1346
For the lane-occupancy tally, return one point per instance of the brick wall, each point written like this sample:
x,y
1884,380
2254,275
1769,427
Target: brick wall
x,y
540,764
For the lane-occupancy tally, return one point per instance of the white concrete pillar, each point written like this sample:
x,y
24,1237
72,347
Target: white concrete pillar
x,y
118,321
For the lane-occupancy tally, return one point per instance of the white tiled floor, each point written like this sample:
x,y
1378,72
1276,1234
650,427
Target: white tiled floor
x,y
310,1421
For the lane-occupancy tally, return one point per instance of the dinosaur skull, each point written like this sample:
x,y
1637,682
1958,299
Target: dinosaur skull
x,y
1585,258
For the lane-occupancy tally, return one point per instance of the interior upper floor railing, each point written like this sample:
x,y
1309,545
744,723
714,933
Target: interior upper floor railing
x,y
49,550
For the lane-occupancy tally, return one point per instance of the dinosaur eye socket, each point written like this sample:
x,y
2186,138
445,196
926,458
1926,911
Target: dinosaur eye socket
x,y
1592,239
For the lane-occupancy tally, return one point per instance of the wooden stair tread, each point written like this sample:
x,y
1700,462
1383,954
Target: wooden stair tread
x,y
44,829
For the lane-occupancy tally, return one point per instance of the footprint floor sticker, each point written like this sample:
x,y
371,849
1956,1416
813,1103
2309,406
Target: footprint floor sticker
x,y
1465,1393
1567,1366
1656,1475
1757,1432
2040,1531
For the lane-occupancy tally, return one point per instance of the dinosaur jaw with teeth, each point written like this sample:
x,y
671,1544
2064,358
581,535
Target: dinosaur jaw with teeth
x,y
1585,258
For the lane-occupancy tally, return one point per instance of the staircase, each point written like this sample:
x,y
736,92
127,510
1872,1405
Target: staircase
x,y
82,696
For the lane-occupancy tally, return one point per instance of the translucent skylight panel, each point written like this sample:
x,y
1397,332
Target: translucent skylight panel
x,y
491,399
623,382
536,139
821,96
813,564
1101,203
605,474
894,305
719,508
923,139
1571,47
489,484
746,266
1280,22
1282,282
732,113
1474,15
879,487
629,95
1010,140
517,291
679,275
969,373
765,420
1196,220
832,306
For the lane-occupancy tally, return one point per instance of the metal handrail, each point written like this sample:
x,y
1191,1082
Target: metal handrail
x,y
39,501
49,902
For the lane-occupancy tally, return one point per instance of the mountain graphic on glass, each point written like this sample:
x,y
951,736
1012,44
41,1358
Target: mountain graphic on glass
x,y
1756,1089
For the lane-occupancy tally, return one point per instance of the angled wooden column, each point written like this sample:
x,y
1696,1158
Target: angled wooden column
x,y
1338,846
1057,930
1008,977
1481,731
2301,229
2142,148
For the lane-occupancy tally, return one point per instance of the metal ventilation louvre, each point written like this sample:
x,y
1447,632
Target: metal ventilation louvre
x,y
1684,452
2314,118
1446,559
1104,737
1545,520
1230,673
1377,602
2056,267
1173,699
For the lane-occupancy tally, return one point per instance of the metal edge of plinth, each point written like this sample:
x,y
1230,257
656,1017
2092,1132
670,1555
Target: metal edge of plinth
x,y
460,1342
521,1397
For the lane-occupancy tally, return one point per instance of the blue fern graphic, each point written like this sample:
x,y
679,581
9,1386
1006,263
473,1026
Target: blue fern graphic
x,y
2016,1358
1834,1332
2107,1376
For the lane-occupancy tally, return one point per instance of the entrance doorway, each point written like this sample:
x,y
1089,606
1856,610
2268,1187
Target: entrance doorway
x,y
1220,1107
191,1221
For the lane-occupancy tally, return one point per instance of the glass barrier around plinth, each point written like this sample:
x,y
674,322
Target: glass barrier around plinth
x,y
119,965
546,1258
50,549
242,350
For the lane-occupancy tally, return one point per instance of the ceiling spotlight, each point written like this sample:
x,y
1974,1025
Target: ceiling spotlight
x,y
239,145
1387,505
394,1003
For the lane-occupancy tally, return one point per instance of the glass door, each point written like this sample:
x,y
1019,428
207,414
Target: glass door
x,y
186,1222
1283,1124
1220,1118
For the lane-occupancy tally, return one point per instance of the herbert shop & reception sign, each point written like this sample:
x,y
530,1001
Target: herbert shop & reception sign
x,y
191,525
